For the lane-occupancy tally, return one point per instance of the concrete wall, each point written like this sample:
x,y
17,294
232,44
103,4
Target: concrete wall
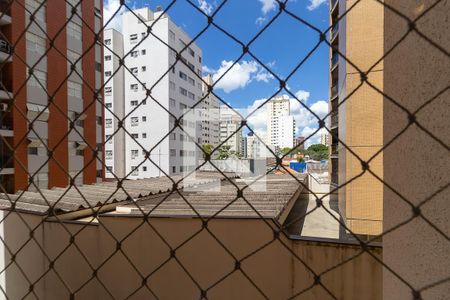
x,y
273,269
416,165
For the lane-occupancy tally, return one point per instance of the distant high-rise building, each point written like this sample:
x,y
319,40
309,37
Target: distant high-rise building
x,y
210,115
256,148
358,120
325,139
230,123
54,105
299,141
148,61
280,124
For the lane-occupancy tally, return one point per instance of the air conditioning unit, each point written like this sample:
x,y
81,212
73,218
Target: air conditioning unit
x,y
3,107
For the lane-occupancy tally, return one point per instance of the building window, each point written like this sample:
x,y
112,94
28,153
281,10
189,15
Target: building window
x,y
35,43
74,30
174,170
38,79
133,38
173,136
134,53
144,169
134,171
108,105
134,135
108,42
108,123
172,102
108,73
172,85
79,152
171,35
144,135
134,154
134,121
191,52
183,91
182,75
173,152
99,120
74,89
144,119
108,139
191,96
191,81
108,154
183,106
134,70
74,59
108,90
107,57
144,68
144,102
33,150
143,52
134,87
134,103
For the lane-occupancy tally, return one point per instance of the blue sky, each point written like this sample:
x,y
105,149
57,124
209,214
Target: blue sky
x,y
281,46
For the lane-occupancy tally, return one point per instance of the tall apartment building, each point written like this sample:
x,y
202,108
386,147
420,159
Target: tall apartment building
x,y
256,148
42,97
210,115
325,139
149,62
114,105
280,123
359,120
230,122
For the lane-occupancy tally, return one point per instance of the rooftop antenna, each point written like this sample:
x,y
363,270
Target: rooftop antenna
x,y
159,8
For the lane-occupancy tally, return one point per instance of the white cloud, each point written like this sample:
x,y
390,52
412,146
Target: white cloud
x,y
313,4
207,70
239,76
267,5
260,20
110,7
302,95
206,7
320,108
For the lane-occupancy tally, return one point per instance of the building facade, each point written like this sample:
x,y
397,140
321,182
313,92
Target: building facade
x,y
45,109
358,121
230,131
325,139
156,93
210,115
280,123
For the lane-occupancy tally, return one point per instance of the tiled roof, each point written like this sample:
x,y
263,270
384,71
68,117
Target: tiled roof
x,y
89,196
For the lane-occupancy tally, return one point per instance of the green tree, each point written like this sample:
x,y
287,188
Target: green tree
x,y
224,152
285,151
317,152
207,148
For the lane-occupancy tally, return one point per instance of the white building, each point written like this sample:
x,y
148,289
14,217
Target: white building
x,y
210,115
325,139
280,124
149,62
230,122
114,102
256,148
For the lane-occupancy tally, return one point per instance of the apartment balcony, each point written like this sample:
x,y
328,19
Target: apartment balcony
x,y
334,92
334,32
5,14
5,51
6,160
334,149
334,60
334,119
333,5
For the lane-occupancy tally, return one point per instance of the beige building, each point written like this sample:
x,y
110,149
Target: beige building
x,y
357,111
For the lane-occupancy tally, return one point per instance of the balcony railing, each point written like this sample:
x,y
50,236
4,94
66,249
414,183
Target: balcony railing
x,y
334,91
334,119
334,60
334,31
4,46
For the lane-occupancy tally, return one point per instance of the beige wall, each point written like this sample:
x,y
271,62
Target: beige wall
x,y
416,165
361,115
274,269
